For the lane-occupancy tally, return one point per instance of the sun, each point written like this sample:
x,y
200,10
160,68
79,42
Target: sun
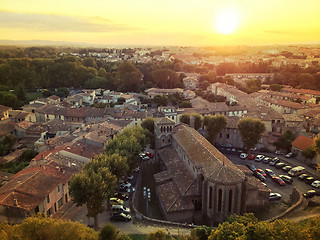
x,y
226,21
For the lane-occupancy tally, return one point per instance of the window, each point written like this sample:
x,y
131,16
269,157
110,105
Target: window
x,y
49,212
220,135
230,201
210,197
59,188
219,200
228,135
273,121
48,199
60,202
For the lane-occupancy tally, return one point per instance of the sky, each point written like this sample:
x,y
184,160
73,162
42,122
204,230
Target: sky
x,y
162,22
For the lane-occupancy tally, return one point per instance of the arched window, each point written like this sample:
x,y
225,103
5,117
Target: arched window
x,y
210,197
170,128
167,128
161,129
230,201
219,200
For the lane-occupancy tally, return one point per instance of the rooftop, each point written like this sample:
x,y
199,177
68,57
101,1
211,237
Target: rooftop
x,y
303,142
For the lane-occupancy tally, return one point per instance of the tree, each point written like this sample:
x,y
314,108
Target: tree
x,y
166,78
251,131
160,100
148,124
159,235
92,186
275,87
62,92
197,120
185,104
39,227
185,118
128,77
309,153
316,143
285,141
214,124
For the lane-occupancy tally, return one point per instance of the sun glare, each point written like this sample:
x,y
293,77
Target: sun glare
x,y
226,21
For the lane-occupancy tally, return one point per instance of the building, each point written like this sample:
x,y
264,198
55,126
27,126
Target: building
x,y
4,112
196,182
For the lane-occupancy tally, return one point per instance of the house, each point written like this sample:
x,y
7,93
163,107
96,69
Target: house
x,y
152,92
49,112
300,144
230,135
76,114
31,109
19,116
293,123
7,127
190,83
197,183
4,112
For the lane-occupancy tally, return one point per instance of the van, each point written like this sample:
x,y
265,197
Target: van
x,y
296,171
120,208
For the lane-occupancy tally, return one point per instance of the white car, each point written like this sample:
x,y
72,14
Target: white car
x,y
315,184
274,196
259,158
243,155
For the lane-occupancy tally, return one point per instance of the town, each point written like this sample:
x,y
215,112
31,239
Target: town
x,y
190,136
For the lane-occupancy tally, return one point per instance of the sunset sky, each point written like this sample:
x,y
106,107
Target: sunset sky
x,y
162,22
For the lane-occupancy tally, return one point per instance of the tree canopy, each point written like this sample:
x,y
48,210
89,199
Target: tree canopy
x,y
214,124
251,130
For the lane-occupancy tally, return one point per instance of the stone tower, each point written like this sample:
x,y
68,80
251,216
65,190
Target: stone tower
x,y
163,128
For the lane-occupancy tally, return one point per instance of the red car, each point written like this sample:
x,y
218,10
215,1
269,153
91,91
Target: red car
x,y
262,172
150,155
279,181
251,157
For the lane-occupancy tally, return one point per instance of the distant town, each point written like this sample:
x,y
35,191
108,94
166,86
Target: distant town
x,y
213,132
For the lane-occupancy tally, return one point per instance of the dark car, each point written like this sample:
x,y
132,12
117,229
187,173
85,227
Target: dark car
x,y
279,181
251,167
266,160
310,194
287,168
303,176
270,173
280,165
309,180
259,176
286,178
120,217
121,196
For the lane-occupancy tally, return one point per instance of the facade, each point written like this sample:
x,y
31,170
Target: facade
x,y
196,182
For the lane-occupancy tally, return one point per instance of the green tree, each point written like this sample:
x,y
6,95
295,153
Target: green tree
x,y
160,100
128,77
285,141
275,87
185,118
316,143
92,186
159,235
214,125
185,104
166,78
40,227
251,131
62,92
202,232
197,120
148,124
309,153
109,232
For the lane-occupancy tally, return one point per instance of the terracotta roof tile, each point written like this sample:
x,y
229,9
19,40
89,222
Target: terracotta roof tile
x,y
302,142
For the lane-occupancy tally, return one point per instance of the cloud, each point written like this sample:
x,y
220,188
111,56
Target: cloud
x,y
59,23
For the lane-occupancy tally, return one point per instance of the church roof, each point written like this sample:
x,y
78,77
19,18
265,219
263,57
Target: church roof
x,y
214,165
164,120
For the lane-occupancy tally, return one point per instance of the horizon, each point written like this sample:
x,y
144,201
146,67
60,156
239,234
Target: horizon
x,y
166,23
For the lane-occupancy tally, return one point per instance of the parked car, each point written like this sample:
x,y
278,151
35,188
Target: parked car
x,y
259,176
280,165
130,177
303,176
150,155
309,194
267,160
251,157
270,173
286,178
274,161
309,180
121,217
259,158
121,196
243,155
279,181
120,208
287,168
125,184
316,184
251,167
274,196
115,201
289,155
278,152
262,172
137,169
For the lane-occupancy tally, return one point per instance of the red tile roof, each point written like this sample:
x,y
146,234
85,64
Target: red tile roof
x,y
302,142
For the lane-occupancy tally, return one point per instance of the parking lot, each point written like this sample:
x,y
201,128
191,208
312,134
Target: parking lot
x,y
286,190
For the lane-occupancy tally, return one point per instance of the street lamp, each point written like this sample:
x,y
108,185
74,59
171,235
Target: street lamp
x,y
147,197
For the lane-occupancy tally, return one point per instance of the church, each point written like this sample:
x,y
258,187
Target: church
x,y
196,182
